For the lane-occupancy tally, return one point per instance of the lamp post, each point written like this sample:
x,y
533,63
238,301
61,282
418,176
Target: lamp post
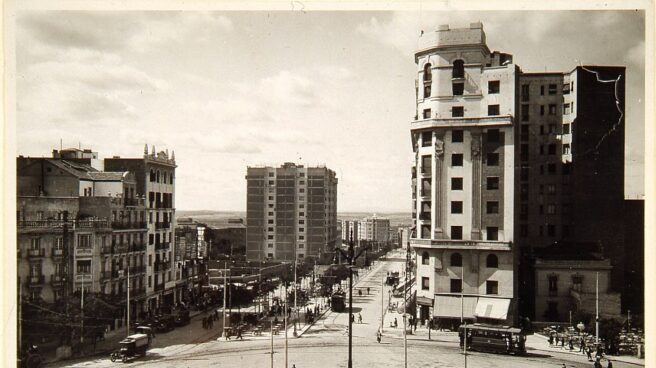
x,y
351,257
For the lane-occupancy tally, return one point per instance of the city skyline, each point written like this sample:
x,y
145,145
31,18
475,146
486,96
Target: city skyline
x,y
336,93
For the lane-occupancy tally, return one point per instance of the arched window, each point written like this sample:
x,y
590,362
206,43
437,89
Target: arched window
x,y
158,176
428,79
166,179
458,69
171,178
152,175
492,261
456,260
424,258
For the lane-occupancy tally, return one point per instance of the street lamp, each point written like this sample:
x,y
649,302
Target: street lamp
x,y
351,257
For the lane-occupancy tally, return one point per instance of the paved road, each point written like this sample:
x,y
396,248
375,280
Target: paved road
x,y
326,344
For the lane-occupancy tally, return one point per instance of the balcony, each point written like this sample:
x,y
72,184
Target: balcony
x,y
94,224
57,281
159,287
162,266
162,225
36,253
162,246
134,202
57,253
35,280
84,277
425,216
498,120
137,270
84,252
461,244
120,225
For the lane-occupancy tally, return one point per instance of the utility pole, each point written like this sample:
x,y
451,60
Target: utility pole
x,y
225,293
462,314
271,326
128,314
351,257
382,303
405,303
295,298
82,312
286,314
597,312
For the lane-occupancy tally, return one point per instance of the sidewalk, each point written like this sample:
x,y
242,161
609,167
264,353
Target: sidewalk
x,y
539,342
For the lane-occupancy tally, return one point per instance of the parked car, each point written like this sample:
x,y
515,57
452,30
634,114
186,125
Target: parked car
x,y
131,346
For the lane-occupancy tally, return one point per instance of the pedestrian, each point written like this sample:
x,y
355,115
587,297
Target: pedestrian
x,y
582,346
597,363
588,351
396,323
367,291
239,337
610,364
562,342
379,336
571,344
551,339
359,318
563,366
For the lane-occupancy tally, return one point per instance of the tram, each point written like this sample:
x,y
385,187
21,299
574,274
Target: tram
x,y
493,339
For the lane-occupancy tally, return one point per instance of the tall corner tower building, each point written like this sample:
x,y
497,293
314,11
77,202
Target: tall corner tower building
x,y
463,177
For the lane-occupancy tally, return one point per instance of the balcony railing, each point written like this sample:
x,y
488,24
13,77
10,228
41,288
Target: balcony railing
x,y
56,224
57,252
162,225
120,225
35,280
137,269
84,252
159,287
162,266
57,280
83,277
162,246
425,216
462,244
35,253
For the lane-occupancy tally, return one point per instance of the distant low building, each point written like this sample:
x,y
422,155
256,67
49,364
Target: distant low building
x,y
566,281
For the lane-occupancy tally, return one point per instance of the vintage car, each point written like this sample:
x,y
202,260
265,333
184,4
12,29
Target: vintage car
x,y
131,346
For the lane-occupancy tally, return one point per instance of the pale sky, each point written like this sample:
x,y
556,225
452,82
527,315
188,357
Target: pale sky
x,y
231,89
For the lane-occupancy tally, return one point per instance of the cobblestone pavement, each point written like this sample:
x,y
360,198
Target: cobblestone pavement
x,y
325,343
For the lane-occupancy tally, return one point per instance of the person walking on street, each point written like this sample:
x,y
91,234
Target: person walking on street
x,y
379,336
597,363
610,364
582,347
588,351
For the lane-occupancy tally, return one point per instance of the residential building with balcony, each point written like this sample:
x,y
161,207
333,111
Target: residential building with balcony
x,y
464,178
291,213
155,182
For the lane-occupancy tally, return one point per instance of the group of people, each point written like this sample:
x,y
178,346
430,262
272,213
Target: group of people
x,y
208,321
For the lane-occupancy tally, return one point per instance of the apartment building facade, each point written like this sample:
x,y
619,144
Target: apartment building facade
x,y
291,212
155,182
463,178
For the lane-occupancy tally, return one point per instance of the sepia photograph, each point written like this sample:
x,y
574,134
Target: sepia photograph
x,y
312,184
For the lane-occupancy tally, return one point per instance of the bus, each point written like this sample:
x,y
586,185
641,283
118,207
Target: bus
x,y
493,339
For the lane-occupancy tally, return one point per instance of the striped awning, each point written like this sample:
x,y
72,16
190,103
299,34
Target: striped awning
x,y
421,300
494,308
447,306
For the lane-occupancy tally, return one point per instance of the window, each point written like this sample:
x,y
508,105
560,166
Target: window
x,y
269,255
456,183
301,222
425,259
492,110
301,229
270,205
552,128
525,93
270,237
425,231
492,87
427,113
456,232
551,168
458,69
552,149
157,176
492,207
426,164
566,149
84,241
428,78
427,90
270,221
566,128
458,88
301,190
492,233
493,135
492,159
150,281
551,230
84,267
552,109
491,287
271,175
270,213
456,260
271,182
456,159
426,139
542,90
301,213
577,282
456,206
152,175
553,284
492,261
553,89
301,246
541,129
270,245
566,109
456,285
524,112
457,136
457,111
425,187
523,173
523,192
271,198
542,110
35,243
551,209
523,230
492,182
301,237
425,283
